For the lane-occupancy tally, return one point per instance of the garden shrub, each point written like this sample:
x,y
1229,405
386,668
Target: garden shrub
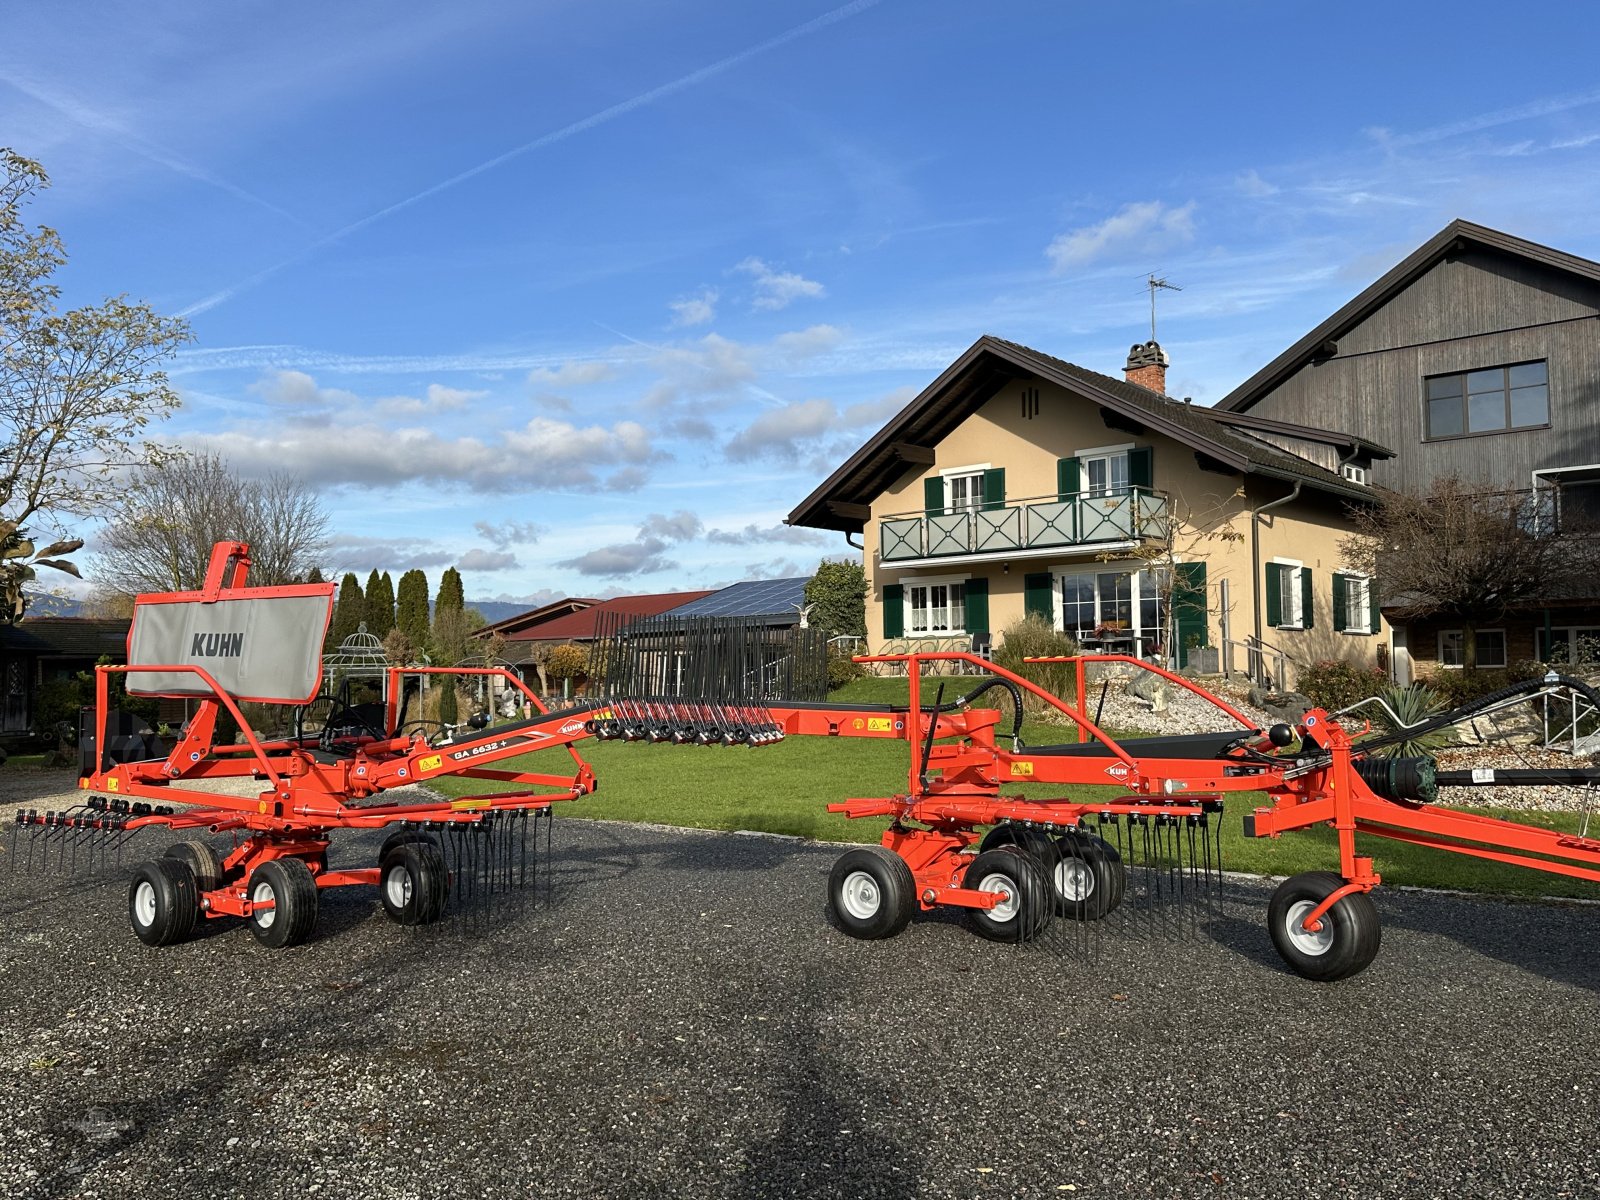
x,y
1334,684
1036,637
1463,686
841,669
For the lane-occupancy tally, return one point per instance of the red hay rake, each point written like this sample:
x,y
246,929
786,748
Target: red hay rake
x,y
1021,869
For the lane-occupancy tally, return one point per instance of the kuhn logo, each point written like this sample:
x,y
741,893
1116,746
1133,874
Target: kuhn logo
x,y
571,727
217,645
1117,772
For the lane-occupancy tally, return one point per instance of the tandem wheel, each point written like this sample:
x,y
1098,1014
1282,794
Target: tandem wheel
x,y
413,881
1028,903
1344,946
1087,874
287,883
871,893
163,902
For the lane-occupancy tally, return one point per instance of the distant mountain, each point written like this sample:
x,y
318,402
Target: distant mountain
x,y
499,610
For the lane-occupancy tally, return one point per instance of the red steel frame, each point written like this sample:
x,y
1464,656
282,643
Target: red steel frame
x,y
966,768
307,794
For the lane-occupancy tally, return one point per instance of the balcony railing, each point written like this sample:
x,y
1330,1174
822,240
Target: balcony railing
x,y
1083,519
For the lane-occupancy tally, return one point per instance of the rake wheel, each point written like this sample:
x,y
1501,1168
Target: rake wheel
x,y
1026,908
292,889
162,902
1344,946
414,882
871,893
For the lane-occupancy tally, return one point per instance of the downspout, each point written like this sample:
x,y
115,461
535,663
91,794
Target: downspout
x,y
1255,569
854,545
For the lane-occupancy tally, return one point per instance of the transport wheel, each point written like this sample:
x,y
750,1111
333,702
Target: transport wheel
x,y
1025,911
871,893
292,889
413,883
1089,877
162,902
202,860
1344,946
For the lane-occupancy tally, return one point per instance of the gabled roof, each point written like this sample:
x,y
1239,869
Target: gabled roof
x,y
535,616
778,599
580,626
842,500
1452,239
70,637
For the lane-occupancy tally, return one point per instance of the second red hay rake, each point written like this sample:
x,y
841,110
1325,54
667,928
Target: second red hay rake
x,y
1022,869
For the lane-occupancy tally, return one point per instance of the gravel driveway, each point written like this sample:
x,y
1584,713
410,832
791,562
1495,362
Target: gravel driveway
x,y
681,1021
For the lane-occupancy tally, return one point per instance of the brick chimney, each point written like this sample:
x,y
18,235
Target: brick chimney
x,y
1147,366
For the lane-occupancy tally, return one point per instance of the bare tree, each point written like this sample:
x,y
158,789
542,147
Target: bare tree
x,y
77,390
1471,555
184,507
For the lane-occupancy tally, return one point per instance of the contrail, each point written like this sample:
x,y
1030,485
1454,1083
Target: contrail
x,y
560,135
1505,116
99,122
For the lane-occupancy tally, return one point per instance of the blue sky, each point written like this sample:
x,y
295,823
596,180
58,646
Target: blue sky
x,y
585,297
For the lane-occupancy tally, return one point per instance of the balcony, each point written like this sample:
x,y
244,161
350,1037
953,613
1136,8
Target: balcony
x,y
1025,528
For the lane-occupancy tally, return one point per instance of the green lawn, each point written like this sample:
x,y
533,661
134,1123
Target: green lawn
x,y
785,788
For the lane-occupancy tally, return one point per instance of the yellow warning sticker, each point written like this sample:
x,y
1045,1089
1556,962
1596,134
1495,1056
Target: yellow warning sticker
x,y
879,725
464,805
113,784
1021,768
432,762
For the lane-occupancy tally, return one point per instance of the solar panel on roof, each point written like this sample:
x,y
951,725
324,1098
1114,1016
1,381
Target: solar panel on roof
x,y
758,598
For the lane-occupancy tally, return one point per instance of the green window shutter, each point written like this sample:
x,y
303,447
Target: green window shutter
x,y
1039,595
894,610
977,605
1066,478
933,495
1307,613
1142,467
994,489
1274,595
1189,607
1339,597
1372,600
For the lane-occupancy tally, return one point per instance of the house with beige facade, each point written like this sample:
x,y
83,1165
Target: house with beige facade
x,y
1019,483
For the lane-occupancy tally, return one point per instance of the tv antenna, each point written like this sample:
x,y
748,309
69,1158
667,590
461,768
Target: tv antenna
x,y
1156,285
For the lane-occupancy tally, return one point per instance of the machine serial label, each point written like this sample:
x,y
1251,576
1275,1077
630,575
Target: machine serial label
x,y
469,752
431,763
1021,768
1482,774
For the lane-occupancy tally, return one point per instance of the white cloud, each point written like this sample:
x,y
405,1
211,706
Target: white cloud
x,y
510,533
572,374
679,527
694,310
779,433
1142,227
756,535
347,552
642,557
1251,184
778,289
808,343
876,412
712,366
487,560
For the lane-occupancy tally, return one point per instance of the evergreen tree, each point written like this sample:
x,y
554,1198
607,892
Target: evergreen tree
x,y
451,595
838,594
348,612
448,711
380,605
315,576
412,614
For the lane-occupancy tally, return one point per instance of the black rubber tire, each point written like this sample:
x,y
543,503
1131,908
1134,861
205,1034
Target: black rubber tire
x,y
413,883
401,837
1016,871
1351,931
871,893
202,860
293,891
162,902
1101,870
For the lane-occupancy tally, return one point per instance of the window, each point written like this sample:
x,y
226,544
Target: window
x,y
1571,645
1106,474
1288,585
1128,604
1354,473
1491,648
936,609
1352,603
963,491
1487,401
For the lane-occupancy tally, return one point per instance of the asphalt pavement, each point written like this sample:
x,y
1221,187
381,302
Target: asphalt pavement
x,y
681,1020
